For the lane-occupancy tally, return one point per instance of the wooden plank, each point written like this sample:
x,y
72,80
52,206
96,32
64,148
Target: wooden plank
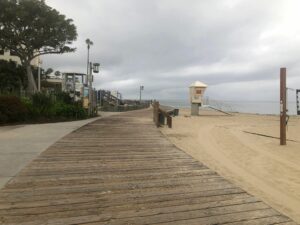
x,y
121,170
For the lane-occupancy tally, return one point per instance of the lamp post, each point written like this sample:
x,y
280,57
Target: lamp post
x,y
94,67
141,89
89,44
39,74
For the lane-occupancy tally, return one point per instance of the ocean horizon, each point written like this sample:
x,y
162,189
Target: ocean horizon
x,y
254,107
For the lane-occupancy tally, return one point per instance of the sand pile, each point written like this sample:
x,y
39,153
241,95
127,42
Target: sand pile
x,y
256,163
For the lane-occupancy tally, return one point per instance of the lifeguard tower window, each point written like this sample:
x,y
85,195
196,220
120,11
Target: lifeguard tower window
x,y
198,92
297,101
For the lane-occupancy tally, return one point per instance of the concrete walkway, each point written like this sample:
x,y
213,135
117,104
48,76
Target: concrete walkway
x,y
22,143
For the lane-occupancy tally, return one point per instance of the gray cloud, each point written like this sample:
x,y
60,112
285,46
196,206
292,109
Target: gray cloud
x,y
236,46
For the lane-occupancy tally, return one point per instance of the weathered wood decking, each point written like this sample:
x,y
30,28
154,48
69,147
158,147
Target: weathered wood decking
x,y
121,170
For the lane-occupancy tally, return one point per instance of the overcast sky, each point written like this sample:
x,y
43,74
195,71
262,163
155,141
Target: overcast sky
x,y
235,46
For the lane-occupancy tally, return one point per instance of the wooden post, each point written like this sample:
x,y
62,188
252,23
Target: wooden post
x,y
282,106
155,113
169,121
297,101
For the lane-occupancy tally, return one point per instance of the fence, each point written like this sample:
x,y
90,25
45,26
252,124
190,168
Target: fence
x,y
160,113
125,107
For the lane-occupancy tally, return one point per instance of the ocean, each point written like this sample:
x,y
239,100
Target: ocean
x,y
256,107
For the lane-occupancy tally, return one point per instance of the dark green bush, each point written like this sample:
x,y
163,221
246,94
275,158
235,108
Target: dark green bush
x,y
33,113
40,107
42,104
12,109
69,111
63,97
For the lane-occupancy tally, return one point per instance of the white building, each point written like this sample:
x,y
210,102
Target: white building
x,y
6,55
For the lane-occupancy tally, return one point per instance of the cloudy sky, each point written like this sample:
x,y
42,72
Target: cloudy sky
x,y
235,46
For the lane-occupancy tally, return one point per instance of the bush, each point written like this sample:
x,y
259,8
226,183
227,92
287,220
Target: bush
x,y
33,114
42,104
74,111
40,108
64,97
12,109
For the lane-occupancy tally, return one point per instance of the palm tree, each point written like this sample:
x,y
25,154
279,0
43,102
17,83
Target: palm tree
x,y
89,44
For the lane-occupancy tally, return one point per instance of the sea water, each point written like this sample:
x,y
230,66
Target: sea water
x,y
256,107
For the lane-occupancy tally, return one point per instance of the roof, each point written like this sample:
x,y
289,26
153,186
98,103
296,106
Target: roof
x,y
198,84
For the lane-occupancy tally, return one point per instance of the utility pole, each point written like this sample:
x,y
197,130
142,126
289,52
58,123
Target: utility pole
x,y
282,106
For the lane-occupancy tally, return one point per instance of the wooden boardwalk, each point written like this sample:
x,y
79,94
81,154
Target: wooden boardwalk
x,y
121,170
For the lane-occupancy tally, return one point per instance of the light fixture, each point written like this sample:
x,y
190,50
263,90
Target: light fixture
x,y
96,67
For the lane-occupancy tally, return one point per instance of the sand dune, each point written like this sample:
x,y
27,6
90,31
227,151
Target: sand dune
x,y
256,163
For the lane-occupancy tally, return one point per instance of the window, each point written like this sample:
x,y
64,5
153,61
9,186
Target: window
x,y
198,92
12,53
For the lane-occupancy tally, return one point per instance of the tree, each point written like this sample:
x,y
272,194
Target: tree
x,y
57,73
12,77
30,28
48,71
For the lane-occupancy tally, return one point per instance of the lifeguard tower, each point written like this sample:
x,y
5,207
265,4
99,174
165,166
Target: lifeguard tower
x,y
197,90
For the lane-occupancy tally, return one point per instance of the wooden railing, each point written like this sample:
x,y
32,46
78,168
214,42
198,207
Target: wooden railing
x,y
160,113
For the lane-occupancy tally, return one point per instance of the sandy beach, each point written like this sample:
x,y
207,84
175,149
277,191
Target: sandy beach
x,y
256,163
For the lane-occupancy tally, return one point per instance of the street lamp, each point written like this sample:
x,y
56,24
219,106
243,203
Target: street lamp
x,y
94,67
141,89
39,73
89,44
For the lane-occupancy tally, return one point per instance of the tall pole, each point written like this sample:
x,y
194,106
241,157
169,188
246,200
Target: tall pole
x,y
88,60
141,89
140,94
39,74
297,101
90,89
282,106
89,43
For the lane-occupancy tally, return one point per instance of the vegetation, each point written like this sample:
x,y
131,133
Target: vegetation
x,y
12,110
30,28
12,77
40,107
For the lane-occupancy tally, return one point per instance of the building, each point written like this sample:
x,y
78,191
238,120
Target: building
x,y
6,55
52,83
73,83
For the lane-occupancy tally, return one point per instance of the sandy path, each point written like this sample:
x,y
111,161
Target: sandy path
x,y
258,164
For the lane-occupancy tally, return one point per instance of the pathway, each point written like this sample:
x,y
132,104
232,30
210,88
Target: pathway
x,y
122,170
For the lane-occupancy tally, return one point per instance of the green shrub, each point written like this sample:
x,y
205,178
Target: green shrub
x,y
12,109
40,107
64,97
69,111
33,114
42,104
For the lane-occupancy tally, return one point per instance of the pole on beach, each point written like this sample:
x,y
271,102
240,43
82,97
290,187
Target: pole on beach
x,y
297,101
141,89
282,106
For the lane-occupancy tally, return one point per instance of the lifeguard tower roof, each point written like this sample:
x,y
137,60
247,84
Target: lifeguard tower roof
x,y
198,84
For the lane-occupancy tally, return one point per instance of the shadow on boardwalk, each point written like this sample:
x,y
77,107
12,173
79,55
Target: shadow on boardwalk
x,y
121,170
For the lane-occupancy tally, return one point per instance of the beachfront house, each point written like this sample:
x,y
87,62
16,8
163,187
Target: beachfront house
x,y
8,55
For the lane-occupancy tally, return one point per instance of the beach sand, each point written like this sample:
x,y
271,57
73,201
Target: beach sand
x,y
255,163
